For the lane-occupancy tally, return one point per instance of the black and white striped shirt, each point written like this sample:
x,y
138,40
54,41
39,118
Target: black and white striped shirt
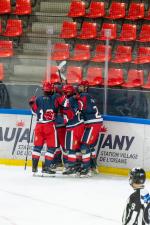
x,y
136,203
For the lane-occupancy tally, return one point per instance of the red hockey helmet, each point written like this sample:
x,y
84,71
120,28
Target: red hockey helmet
x,y
68,89
84,83
47,86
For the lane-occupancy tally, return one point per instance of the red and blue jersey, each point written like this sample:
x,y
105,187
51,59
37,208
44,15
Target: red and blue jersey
x,y
90,112
71,112
45,108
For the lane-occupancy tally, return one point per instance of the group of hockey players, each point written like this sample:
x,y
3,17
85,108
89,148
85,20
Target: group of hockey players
x,y
68,120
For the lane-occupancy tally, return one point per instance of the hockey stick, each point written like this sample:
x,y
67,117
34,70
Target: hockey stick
x,y
28,142
61,76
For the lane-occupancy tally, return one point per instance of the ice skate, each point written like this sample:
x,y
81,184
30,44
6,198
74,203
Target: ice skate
x,y
71,171
78,171
47,170
85,173
59,166
53,167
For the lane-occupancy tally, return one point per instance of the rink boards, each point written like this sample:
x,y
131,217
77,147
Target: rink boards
x,y
125,145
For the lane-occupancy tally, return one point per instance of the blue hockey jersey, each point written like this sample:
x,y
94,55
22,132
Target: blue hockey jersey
x,y
90,112
71,112
43,105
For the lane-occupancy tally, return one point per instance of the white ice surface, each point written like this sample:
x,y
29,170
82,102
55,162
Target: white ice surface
x,y
28,200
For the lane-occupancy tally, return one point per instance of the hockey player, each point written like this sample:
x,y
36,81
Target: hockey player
x,y
60,128
45,131
93,125
137,201
74,127
61,154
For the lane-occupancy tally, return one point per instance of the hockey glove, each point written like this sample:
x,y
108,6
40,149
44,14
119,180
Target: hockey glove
x,y
68,115
61,100
49,115
32,100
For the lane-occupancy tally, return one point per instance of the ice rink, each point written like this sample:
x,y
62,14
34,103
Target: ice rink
x,y
28,200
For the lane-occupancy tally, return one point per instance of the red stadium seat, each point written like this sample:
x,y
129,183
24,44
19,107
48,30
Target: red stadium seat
x,y
88,31
147,17
13,28
115,77
55,78
100,53
147,85
135,79
77,9
116,11
143,55
128,32
1,71
96,10
74,74
23,7
5,6
54,75
94,76
60,51
145,33
69,30
136,11
81,52
123,54
108,26
6,48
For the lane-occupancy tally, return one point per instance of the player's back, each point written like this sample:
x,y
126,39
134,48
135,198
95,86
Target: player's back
x,y
90,111
72,111
44,104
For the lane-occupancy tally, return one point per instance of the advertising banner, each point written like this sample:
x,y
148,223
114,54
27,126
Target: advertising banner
x,y
15,135
146,147
122,145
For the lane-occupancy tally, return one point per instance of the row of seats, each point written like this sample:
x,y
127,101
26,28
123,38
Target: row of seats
x,y
107,31
117,10
122,31
23,7
14,28
74,74
61,51
81,52
95,76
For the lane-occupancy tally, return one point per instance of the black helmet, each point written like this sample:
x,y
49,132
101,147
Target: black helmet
x,y
137,176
